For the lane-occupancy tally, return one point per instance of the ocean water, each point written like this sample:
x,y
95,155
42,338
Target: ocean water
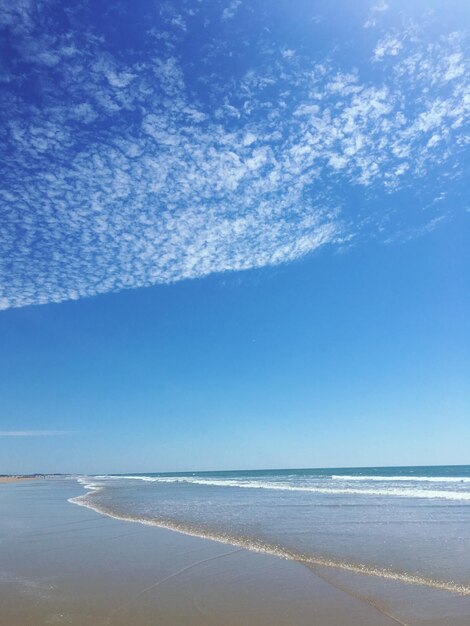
x,y
410,524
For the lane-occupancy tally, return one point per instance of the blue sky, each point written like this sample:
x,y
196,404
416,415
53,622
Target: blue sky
x,y
233,234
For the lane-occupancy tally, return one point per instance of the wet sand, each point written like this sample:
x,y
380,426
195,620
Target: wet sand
x,y
64,564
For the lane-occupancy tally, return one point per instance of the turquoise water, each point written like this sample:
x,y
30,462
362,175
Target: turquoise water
x,y
404,523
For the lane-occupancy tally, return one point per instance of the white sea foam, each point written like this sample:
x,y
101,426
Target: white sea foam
x,y
421,479
385,491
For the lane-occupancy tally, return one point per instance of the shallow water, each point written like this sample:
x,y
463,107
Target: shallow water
x,y
404,524
63,564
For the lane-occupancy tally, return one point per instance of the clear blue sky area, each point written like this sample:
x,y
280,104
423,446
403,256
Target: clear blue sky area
x,y
233,235
359,358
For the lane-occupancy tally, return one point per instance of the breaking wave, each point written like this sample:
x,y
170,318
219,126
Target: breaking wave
x,y
403,491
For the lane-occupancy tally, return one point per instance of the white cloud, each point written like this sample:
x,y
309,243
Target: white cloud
x,y
389,46
229,12
288,53
455,66
375,10
134,179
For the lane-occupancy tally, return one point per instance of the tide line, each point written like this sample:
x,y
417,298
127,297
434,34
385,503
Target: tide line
x,y
261,547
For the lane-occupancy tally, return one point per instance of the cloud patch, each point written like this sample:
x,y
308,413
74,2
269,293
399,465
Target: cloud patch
x,y
125,168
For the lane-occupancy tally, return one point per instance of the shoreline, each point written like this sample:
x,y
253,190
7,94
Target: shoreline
x,y
277,552
19,479
72,565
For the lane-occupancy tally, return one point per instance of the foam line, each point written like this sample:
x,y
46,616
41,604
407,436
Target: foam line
x,y
265,548
386,491
420,479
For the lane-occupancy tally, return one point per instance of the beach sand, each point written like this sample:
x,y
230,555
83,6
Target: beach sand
x,y
64,564
16,479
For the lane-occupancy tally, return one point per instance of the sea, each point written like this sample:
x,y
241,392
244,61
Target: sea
x,y
408,524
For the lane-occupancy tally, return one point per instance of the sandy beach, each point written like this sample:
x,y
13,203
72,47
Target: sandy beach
x,y
16,479
64,564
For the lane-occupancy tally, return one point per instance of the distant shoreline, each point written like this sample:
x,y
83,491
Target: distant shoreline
x,y
15,479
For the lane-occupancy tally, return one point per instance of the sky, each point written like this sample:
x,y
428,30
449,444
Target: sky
x,y
233,235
